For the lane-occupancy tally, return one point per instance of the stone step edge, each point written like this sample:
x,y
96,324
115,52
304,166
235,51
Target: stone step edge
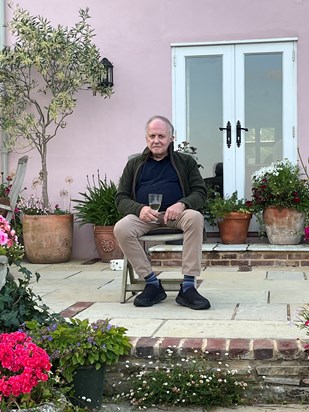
x,y
221,348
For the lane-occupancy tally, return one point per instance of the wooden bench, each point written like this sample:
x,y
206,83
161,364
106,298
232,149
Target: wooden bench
x,y
130,283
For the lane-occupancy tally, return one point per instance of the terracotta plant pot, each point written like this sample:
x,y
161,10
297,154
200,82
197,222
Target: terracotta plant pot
x,y
106,243
283,226
48,238
234,227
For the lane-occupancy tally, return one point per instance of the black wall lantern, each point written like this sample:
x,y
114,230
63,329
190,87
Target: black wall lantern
x,y
108,78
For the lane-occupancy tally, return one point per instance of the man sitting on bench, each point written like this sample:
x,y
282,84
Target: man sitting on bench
x,y
160,169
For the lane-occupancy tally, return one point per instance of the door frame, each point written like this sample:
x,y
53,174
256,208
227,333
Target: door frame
x,y
179,96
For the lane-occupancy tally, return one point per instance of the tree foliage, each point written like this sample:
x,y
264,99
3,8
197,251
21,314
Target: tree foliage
x,y
40,76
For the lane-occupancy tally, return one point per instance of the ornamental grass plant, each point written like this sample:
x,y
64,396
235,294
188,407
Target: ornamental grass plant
x,y
97,205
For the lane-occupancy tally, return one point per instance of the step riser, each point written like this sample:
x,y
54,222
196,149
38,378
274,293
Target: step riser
x,y
234,258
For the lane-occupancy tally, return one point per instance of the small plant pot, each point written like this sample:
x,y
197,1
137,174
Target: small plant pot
x,y
234,228
88,385
106,243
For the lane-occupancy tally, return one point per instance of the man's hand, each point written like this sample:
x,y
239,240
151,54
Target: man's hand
x,y
148,215
173,212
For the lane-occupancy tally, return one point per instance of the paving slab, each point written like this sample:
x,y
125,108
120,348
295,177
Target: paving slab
x,y
285,275
261,303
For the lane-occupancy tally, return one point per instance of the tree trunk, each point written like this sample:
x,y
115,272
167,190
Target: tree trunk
x,y
44,176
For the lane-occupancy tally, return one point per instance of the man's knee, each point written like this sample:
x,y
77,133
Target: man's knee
x,y
195,218
119,229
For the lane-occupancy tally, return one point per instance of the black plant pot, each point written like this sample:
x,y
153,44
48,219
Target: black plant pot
x,y
88,387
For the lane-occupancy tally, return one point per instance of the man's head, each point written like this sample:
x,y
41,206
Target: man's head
x,y
159,135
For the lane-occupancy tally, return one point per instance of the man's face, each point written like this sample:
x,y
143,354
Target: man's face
x,y
158,138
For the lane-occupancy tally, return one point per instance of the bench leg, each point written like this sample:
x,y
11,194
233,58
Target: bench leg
x,y
127,270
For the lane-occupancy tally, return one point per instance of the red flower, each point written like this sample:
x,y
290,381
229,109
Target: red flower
x,y
22,364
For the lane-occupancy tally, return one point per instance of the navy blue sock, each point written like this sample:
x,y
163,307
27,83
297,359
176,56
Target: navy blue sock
x,y
188,282
151,279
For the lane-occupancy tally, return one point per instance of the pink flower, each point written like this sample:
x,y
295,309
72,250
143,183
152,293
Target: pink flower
x,y
3,238
307,323
306,233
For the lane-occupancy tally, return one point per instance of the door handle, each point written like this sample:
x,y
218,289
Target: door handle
x,y
228,129
238,132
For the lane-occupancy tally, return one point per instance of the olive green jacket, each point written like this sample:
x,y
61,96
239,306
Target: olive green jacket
x,y
191,181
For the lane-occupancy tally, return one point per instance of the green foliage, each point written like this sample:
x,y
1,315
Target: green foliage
x,y
282,185
80,343
185,147
41,75
216,207
189,382
98,204
303,320
18,303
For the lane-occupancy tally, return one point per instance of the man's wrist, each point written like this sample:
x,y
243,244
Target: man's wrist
x,y
184,205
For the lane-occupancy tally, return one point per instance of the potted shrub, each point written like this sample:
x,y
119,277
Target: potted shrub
x,y
80,350
231,214
41,76
281,194
97,207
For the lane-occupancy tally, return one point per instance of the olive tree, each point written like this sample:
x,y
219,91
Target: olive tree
x,y
40,76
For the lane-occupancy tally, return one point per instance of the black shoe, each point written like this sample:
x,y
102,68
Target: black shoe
x,y
150,295
192,299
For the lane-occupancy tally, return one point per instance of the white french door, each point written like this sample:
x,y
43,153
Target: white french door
x,y
237,104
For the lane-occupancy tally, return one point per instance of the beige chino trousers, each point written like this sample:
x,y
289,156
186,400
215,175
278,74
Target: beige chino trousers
x,y
130,228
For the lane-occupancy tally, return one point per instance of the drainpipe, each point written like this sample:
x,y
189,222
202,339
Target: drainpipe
x,y
3,149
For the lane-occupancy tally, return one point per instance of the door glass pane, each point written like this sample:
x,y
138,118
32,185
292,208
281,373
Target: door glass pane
x,y
263,112
204,110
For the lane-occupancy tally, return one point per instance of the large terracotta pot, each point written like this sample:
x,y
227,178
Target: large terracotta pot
x,y
234,228
283,226
106,243
48,238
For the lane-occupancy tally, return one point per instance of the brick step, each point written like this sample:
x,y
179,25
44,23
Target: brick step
x,y
243,255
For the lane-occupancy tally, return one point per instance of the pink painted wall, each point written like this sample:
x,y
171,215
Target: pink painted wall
x,y
136,36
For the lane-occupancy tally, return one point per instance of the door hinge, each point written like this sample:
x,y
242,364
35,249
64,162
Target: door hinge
x,y
293,132
174,60
293,55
